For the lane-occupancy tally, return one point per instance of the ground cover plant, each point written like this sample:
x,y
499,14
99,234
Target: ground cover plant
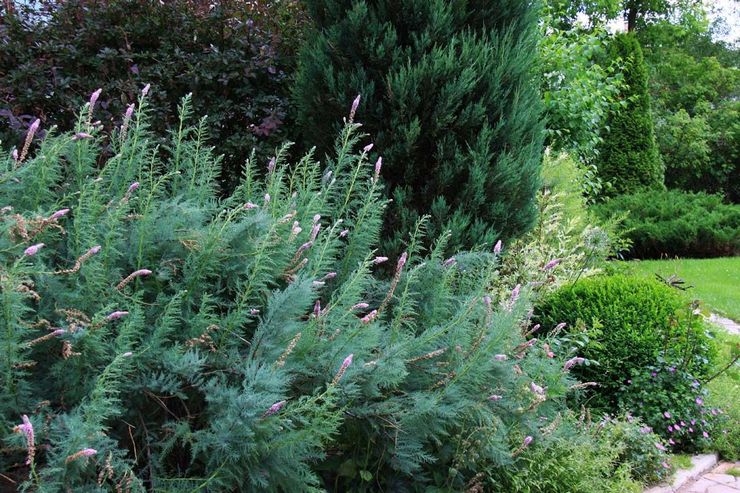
x,y
156,336
715,282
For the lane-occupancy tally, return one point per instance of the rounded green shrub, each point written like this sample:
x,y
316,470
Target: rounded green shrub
x,y
630,159
675,223
630,323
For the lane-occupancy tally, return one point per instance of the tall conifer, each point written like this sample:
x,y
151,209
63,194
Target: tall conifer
x,y
447,94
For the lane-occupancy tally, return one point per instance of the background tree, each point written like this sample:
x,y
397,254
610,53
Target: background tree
x,y
447,94
630,160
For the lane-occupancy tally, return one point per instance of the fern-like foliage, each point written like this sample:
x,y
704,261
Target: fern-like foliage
x,y
157,336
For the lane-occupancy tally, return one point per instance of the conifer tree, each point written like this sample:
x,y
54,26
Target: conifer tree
x,y
630,159
447,94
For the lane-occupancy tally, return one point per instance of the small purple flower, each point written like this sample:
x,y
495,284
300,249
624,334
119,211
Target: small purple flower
x,y
676,427
145,91
267,198
670,429
343,233
345,364
672,369
132,188
671,441
94,250
402,261
129,112
693,422
127,354
705,434
58,214
271,165
660,446
536,389
140,273
380,260
81,136
497,247
33,249
527,441
14,154
368,148
691,430
665,465
667,415
495,397
330,275
275,408
714,412
653,374
250,205
254,311
500,357
450,261
378,166
116,315
487,301
360,306
551,264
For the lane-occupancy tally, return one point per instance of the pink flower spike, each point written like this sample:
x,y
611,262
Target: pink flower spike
x,y
369,317
450,261
94,97
660,446
378,166
317,308
497,248
671,441
500,357
343,233
560,327
145,91
705,434
254,311
573,362
58,332
132,188
345,364
14,154
271,165
58,214
353,110
380,260
81,136
141,272
536,388
527,441
316,218
275,408
33,249
515,293
116,315
129,112
551,264
360,306
250,205
94,250
368,148
495,397
402,261
267,198
330,275
665,465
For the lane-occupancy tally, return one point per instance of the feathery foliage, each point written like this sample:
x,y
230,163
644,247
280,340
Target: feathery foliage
x,y
156,336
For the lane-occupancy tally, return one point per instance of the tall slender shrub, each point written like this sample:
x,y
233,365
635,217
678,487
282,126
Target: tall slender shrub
x,y
630,160
447,92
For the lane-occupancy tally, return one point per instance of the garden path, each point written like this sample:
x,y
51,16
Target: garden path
x,y
716,481
729,325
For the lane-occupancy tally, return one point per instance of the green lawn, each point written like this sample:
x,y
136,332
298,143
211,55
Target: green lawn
x,y
716,281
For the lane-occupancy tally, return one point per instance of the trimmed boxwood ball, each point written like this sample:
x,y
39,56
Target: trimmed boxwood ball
x,y
630,323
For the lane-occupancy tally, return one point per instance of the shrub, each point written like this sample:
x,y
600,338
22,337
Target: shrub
x,y
630,160
614,455
230,57
157,337
448,93
631,323
671,401
676,223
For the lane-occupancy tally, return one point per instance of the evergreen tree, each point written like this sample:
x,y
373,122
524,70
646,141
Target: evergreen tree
x,y
447,92
630,159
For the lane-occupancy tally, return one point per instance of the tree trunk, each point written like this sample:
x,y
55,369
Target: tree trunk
x,y
631,19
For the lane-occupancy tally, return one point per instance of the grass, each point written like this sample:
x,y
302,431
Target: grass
x,y
716,281
681,461
723,392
